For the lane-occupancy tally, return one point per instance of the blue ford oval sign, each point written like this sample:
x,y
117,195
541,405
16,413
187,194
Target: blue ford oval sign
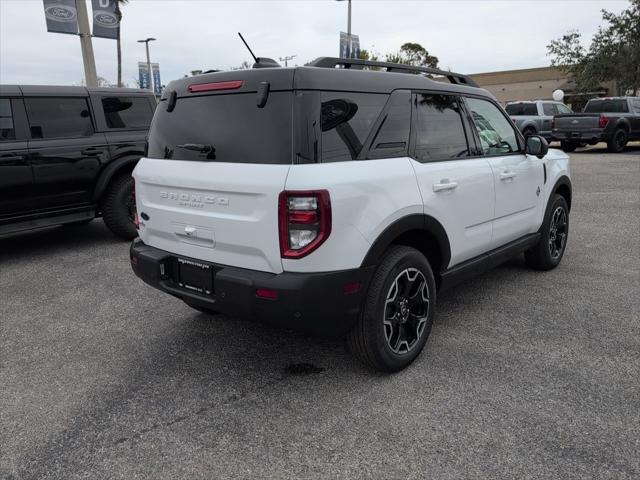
x,y
105,19
60,13
61,16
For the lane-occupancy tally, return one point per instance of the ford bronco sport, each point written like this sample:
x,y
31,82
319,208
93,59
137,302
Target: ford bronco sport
x,y
341,200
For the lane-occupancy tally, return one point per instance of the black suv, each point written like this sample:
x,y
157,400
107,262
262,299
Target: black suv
x,y
66,155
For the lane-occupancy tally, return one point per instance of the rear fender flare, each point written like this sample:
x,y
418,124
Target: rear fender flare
x,y
407,224
111,171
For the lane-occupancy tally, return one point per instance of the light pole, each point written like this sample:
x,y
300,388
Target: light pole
x,y
348,24
90,76
150,73
286,59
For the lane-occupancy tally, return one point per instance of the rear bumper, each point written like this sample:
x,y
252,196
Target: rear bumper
x,y
312,302
584,136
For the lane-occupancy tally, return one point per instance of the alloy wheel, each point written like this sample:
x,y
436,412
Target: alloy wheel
x,y
557,232
406,310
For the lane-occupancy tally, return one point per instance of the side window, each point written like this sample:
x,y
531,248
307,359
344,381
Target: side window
x,y
392,137
530,109
346,119
563,109
497,136
549,109
127,112
58,117
440,132
7,131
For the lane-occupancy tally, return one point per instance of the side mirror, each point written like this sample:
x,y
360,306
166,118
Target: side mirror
x,y
536,145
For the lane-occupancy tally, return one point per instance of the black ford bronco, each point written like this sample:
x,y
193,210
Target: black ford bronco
x,y
66,155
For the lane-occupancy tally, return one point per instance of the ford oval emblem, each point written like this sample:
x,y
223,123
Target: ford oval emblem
x,y
574,121
60,13
105,19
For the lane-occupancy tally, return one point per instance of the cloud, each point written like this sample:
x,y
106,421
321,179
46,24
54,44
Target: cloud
x,y
467,36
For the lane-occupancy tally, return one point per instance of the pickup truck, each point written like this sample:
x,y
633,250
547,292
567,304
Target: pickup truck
x,y
535,117
614,120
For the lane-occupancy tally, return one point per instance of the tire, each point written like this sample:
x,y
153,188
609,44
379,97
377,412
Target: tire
x,y
201,309
568,146
390,314
527,132
118,207
548,252
618,141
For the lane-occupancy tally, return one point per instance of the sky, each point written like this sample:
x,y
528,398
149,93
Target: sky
x,y
467,36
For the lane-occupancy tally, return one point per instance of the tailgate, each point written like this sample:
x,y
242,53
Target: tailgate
x,y
576,123
225,213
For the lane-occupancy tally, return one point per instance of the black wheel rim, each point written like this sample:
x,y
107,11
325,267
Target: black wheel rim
x,y
620,140
406,310
557,232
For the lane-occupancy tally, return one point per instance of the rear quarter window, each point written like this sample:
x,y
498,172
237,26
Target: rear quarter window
x,y
346,122
127,112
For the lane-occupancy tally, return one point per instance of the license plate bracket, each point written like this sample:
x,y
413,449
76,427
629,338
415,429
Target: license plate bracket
x,y
196,277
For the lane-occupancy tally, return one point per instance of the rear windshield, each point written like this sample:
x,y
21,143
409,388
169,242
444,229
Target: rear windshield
x,y
224,128
522,109
607,106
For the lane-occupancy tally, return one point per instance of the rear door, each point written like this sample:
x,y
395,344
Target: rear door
x,y
65,150
456,187
518,177
217,164
16,179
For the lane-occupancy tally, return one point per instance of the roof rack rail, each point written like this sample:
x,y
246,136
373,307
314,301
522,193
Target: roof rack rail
x,y
358,64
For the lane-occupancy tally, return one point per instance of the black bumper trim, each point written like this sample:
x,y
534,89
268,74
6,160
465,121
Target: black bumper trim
x,y
312,302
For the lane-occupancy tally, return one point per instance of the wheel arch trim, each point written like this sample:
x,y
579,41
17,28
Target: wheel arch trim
x,y
563,183
409,223
113,169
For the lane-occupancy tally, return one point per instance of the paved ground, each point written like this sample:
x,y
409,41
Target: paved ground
x,y
526,374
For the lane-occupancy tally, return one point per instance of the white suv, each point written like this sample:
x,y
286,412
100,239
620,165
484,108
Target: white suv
x,y
340,200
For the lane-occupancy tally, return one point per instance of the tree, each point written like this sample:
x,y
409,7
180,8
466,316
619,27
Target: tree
x,y
118,44
413,54
614,53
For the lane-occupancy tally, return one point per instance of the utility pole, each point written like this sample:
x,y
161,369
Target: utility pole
x,y
348,24
90,75
286,59
146,42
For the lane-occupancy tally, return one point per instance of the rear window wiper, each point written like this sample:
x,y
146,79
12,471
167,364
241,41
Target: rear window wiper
x,y
202,148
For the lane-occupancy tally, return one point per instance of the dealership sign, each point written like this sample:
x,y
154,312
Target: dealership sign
x,y
349,45
105,18
61,16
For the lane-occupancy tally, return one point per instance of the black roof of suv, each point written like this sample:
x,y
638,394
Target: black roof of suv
x,y
322,74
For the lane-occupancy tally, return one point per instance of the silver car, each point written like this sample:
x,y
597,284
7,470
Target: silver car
x,y
536,117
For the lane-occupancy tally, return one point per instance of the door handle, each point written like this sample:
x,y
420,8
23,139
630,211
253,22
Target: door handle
x,y
91,151
507,175
445,184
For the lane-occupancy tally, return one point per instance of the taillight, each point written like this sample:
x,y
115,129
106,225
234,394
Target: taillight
x,y
304,221
603,121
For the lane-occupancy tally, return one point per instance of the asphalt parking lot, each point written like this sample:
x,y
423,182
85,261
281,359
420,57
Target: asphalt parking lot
x,y
525,375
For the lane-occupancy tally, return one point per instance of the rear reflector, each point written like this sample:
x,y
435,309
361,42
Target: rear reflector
x,y
267,293
207,87
351,287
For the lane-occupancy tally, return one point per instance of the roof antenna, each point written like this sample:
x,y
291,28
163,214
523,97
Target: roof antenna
x,y
261,62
